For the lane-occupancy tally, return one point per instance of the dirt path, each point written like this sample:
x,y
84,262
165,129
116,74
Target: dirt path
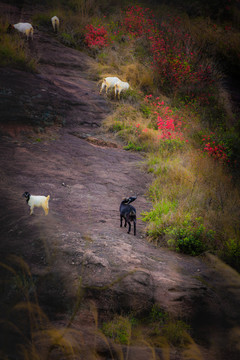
x,y
87,174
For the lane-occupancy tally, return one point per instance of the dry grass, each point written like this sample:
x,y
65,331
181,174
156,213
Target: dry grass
x,y
139,76
130,124
201,188
120,61
14,50
215,40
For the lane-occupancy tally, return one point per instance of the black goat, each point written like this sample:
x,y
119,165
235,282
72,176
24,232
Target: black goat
x,y
128,213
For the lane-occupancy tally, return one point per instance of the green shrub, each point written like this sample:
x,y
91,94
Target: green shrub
x,y
176,333
132,146
191,238
155,218
231,253
117,126
131,95
159,209
157,314
146,110
67,39
119,329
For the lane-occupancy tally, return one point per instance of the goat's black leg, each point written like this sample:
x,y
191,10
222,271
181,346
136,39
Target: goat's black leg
x,y
121,220
125,223
129,227
134,225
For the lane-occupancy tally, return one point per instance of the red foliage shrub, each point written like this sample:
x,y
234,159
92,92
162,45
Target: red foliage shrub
x,y
138,21
215,149
175,58
96,37
168,123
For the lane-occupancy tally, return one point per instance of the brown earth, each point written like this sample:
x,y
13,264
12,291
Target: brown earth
x,y
52,143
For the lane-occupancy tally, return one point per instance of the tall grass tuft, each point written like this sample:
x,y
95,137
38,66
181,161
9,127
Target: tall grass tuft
x,y
195,187
35,336
14,50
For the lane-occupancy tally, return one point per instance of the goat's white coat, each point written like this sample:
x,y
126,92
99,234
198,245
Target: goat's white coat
x,y
108,83
38,201
24,28
120,86
55,23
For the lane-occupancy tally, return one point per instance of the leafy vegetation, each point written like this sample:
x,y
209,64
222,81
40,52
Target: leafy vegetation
x,y
191,238
119,329
156,327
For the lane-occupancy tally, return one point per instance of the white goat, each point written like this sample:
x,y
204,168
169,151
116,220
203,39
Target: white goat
x,y
55,23
108,83
120,86
37,201
24,28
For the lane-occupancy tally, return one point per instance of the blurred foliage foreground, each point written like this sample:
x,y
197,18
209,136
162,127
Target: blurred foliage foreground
x,y
28,334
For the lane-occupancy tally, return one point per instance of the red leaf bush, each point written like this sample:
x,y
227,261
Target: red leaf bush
x,y
169,124
138,21
175,57
215,148
96,37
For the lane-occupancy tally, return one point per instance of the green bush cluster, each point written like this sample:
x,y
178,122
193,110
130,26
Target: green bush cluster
x,y
154,218
159,209
191,237
132,146
176,332
146,110
157,314
156,323
231,253
119,329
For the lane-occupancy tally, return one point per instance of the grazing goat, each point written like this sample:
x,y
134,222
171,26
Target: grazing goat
x,y
55,23
37,201
128,213
108,83
120,86
24,28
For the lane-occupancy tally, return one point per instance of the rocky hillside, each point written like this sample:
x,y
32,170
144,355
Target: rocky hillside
x,y
52,143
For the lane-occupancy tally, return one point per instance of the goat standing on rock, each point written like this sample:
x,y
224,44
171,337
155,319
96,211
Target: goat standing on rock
x,y
128,213
37,201
108,83
55,23
119,87
24,28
